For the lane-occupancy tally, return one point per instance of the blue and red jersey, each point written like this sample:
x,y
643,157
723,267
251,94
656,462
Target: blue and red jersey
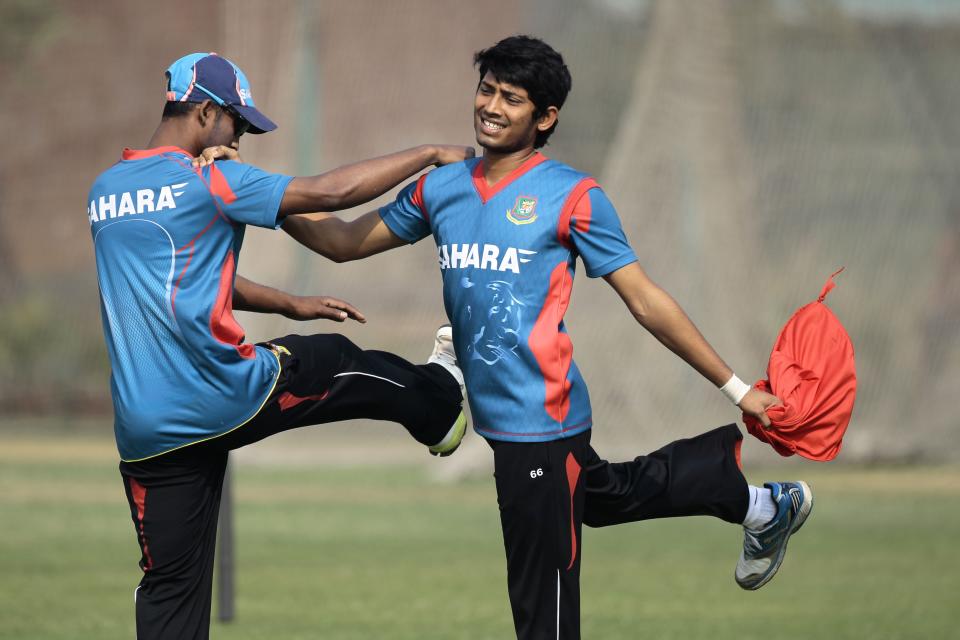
x,y
167,240
507,256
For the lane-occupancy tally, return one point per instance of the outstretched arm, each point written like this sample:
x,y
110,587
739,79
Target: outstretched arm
x,y
660,314
340,240
250,296
353,184
343,188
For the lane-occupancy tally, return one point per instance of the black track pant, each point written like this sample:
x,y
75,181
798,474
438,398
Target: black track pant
x,y
546,490
175,498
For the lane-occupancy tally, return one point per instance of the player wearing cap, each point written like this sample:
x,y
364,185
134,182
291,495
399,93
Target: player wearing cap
x,y
186,387
509,228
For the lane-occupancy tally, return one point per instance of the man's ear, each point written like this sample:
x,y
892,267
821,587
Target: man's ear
x,y
548,119
207,112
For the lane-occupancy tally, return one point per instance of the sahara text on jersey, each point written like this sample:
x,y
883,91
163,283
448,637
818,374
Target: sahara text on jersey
x,y
132,202
465,256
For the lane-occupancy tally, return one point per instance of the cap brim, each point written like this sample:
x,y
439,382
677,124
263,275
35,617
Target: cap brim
x,y
259,123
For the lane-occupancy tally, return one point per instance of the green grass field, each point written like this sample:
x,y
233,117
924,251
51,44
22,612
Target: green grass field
x,y
385,553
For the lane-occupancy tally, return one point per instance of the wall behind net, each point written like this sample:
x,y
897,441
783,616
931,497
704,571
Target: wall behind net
x,y
751,149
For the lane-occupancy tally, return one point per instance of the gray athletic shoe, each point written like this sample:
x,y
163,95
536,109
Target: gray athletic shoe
x,y
764,549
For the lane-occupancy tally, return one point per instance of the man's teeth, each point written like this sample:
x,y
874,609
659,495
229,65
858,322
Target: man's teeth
x,y
491,125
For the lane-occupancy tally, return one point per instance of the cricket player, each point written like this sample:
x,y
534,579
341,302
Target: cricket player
x,y
186,387
509,228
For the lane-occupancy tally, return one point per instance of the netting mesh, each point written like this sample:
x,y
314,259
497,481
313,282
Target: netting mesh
x,y
751,149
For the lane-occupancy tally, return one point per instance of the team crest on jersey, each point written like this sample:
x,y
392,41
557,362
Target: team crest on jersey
x,y
524,210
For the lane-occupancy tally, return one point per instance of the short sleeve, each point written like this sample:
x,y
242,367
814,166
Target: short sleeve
x,y
248,195
597,235
407,216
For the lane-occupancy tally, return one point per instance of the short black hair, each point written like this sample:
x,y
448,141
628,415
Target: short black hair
x,y
533,65
172,109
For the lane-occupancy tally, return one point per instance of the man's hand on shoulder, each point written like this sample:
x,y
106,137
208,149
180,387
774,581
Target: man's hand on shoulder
x,y
221,152
756,403
450,153
322,308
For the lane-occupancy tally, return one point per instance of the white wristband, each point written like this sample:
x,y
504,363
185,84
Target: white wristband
x,y
735,389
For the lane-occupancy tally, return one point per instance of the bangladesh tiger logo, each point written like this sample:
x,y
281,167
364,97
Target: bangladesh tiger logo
x,y
524,210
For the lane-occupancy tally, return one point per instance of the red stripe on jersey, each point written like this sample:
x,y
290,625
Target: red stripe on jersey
x,y
573,474
219,185
418,198
197,171
139,493
581,214
576,206
140,154
223,326
486,191
553,349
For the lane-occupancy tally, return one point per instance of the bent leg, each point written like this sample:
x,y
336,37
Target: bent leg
x,y
696,476
174,503
327,378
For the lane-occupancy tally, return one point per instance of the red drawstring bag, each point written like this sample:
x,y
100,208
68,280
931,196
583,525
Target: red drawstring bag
x,y
812,371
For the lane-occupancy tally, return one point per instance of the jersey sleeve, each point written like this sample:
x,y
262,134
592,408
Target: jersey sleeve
x,y
596,234
407,216
247,194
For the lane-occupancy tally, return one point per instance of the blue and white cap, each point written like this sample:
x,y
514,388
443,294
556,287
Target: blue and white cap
x,y
207,76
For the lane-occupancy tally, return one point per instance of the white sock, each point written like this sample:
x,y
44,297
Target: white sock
x,y
762,508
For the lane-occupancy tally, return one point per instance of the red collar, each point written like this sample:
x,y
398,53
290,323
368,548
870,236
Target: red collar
x,y
140,154
486,191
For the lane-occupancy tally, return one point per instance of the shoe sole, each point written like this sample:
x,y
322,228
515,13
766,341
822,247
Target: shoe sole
x,y
805,508
456,434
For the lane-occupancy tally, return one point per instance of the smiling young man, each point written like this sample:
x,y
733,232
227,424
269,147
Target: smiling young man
x,y
186,388
509,229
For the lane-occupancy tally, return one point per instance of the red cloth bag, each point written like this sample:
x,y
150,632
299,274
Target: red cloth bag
x,y
812,371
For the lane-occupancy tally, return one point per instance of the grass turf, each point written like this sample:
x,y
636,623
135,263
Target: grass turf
x,y
373,552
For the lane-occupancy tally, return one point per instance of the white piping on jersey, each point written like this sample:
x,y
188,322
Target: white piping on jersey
x,y
369,375
108,304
